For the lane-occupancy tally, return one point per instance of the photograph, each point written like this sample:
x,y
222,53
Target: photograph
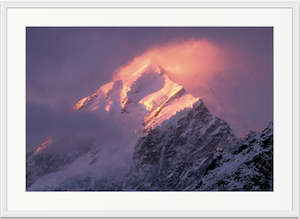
x,y
149,108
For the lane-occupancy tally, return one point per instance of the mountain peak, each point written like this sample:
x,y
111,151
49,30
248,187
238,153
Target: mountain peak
x,y
151,67
145,95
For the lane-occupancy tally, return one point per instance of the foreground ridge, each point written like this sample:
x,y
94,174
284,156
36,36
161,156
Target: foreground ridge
x,y
168,161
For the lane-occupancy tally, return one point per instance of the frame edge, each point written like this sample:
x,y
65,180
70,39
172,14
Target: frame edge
x,y
3,85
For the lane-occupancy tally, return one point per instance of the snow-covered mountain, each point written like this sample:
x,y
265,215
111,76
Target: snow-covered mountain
x,y
146,98
176,144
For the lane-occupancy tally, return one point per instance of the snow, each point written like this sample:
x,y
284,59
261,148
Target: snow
x,y
147,96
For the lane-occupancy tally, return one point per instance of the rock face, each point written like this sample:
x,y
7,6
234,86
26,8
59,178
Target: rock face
x,y
180,146
211,161
248,168
173,156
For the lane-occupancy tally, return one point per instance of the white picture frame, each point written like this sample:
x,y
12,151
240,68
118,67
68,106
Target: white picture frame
x,y
20,12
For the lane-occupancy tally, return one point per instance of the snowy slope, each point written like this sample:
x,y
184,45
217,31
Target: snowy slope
x,y
248,168
213,161
53,154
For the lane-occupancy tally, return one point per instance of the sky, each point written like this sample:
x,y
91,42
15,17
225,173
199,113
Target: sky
x,y
65,64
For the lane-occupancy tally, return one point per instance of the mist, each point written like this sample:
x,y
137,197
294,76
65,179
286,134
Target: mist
x,y
219,74
84,134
